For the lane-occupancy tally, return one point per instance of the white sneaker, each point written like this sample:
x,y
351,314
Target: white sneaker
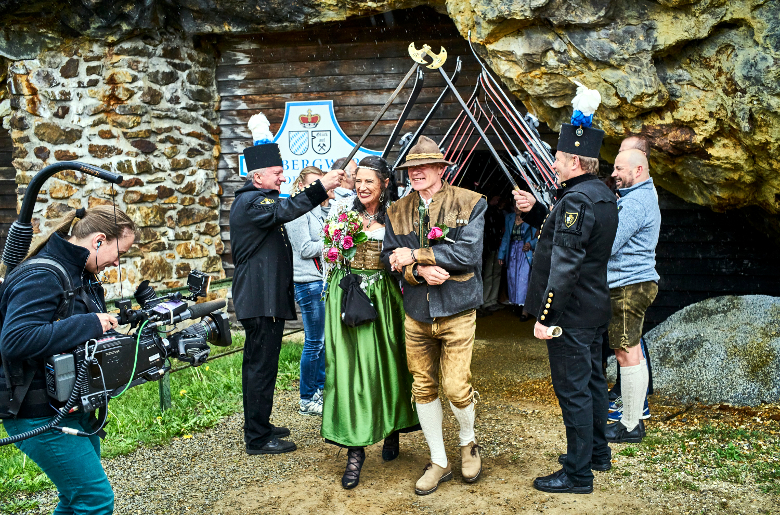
x,y
310,407
317,395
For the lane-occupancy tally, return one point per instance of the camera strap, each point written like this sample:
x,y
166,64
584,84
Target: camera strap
x,y
11,400
19,375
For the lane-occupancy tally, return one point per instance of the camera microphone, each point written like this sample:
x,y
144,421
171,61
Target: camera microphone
x,y
203,309
193,311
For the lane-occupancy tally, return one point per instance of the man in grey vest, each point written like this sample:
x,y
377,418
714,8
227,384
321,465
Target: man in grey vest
x,y
433,244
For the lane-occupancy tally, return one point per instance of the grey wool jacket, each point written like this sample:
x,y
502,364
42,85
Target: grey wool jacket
x,y
305,235
463,211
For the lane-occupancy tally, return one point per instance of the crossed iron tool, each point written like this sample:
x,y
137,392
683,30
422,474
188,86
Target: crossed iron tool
x,y
490,113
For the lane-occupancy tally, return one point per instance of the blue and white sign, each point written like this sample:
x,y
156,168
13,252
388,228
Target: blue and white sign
x,y
310,136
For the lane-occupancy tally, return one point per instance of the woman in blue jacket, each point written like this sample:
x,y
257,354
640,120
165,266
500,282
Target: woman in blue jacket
x,y
516,251
30,334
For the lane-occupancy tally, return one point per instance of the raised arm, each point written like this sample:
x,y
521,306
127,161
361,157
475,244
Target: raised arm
x,y
269,213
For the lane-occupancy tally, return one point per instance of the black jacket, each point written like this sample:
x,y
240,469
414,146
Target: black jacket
x,y
263,277
28,307
461,210
568,285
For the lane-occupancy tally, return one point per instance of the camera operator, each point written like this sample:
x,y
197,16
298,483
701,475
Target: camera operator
x,y
31,332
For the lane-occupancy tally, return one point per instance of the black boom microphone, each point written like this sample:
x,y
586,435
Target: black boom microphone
x,y
204,308
193,311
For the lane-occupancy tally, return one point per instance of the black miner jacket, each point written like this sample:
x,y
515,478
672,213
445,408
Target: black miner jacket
x,y
28,308
263,277
568,285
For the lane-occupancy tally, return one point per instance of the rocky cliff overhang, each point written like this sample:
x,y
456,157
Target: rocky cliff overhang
x,y
700,79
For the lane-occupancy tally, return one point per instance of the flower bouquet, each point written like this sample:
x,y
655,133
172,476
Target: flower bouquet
x,y
343,232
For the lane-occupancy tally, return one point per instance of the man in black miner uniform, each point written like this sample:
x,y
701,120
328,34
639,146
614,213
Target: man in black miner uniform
x,y
568,289
263,284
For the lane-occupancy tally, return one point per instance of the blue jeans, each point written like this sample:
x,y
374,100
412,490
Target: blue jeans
x,y
71,462
308,296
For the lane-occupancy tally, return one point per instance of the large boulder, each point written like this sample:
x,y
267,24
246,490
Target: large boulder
x,y
724,349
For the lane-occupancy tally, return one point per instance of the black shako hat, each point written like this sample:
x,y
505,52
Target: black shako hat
x,y
262,156
579,140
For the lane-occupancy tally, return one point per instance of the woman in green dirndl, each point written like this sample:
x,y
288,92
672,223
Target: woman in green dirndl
x,y
368,388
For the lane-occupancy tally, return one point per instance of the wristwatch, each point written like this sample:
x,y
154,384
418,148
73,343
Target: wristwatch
x,y
415,272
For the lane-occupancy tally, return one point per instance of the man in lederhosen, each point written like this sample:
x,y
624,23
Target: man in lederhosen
x,y
262,282
441,274
568,290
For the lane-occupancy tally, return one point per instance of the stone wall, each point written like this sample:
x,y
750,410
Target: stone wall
x,y
145,108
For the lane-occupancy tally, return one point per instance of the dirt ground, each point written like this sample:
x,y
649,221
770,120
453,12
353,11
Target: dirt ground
x,y
521,429
518,424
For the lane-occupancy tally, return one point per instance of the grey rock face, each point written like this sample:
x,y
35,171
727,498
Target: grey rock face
x,y
725,349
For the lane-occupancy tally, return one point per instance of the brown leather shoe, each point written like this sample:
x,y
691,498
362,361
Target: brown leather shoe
x,y
432,476
471,464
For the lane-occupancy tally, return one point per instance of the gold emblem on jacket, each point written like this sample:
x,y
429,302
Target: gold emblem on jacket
x,y
570,219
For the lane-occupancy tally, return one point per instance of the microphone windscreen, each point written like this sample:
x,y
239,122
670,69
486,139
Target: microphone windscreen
x,y
204,308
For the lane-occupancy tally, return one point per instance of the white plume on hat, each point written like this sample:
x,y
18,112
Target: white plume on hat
x,y
586,101
260,128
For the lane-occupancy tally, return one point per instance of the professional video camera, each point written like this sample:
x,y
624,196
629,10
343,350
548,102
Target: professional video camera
x,y
94,372
116,362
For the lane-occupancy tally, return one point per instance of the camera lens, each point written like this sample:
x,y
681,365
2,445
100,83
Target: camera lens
x,y
214,328
144,293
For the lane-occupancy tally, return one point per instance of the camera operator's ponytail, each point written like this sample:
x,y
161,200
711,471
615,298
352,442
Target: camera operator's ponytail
x,y
80,223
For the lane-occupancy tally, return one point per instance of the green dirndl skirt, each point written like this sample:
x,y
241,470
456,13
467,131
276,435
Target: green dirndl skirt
x,y
368,387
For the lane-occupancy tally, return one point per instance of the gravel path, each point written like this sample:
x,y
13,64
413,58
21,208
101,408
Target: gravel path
x,y
518,423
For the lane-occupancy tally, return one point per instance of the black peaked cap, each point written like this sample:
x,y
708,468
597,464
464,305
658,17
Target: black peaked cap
x,y
581,141
262,156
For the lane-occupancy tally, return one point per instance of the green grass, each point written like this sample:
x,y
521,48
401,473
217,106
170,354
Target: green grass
x,y
201,397
728,454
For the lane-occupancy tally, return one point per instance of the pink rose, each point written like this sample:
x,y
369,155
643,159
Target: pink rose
x,y
343,217
333,254
435,233
347,242
336,234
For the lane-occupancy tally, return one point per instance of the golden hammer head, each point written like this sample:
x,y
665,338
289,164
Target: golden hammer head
x,y
419,56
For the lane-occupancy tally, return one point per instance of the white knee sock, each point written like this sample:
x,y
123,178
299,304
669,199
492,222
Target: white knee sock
x,y
465,417
633,389
431,418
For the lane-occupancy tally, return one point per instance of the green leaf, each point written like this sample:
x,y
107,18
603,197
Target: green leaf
x,y
444,230
359,238
350,253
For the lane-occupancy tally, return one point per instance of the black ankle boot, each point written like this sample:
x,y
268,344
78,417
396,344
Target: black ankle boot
x,y
391,446
355,458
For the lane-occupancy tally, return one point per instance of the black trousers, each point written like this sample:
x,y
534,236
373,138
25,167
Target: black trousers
x,y
258,376
579,384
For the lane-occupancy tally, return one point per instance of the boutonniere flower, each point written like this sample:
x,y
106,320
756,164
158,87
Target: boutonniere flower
x,y
438,233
